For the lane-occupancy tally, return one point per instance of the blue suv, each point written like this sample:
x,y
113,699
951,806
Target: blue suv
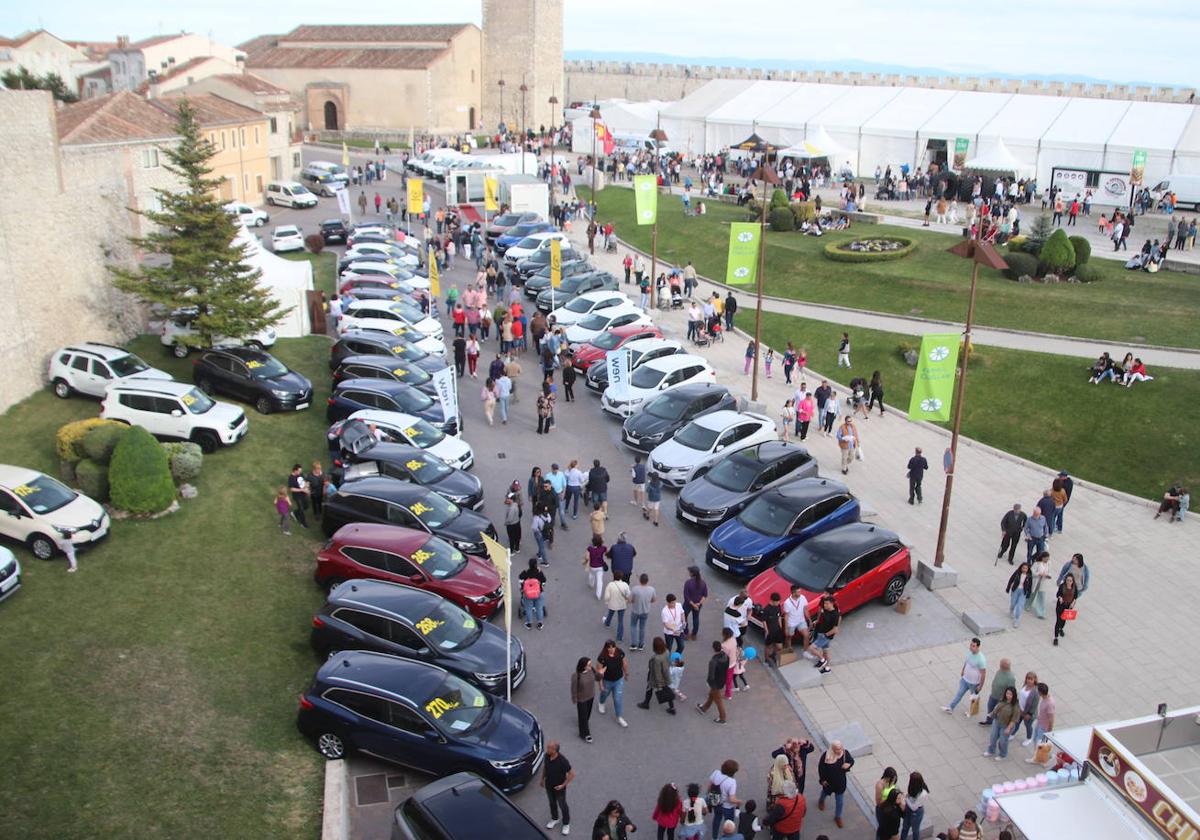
x,y
351,395
776,522
419,716
518,232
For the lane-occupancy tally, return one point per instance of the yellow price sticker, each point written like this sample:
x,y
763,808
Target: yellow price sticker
x,y
188,399
411,432
252,364
25,490
400,372
479,701
399,331
399,348
427,625
439,706
469,622
420,556
414,464
421,507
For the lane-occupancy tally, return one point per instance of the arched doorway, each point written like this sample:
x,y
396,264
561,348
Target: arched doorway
x,y
331,116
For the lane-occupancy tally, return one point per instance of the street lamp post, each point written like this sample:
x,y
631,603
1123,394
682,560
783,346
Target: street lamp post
x,y
595,115
768,176
659,137
553,106
501,84
524,129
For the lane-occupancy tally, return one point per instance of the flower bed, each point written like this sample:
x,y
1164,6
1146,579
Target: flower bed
x,y
876,249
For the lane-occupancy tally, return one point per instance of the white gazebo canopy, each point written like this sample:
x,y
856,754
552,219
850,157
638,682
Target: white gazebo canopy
x,y
997,158
818,145
288,281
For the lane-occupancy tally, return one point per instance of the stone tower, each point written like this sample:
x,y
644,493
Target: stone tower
x,y
522,42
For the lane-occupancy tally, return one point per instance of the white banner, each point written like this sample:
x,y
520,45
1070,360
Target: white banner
x,y
343,200
1113,187
447,390
618,370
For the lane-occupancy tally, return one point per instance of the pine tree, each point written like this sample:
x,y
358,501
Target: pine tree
x,y
1038,233
201,268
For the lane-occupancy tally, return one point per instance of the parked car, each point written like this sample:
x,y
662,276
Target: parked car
x,y
419,716
777,521
641,351
90,367
384,367
736,479
426,344
460,806
290,194
333,230
385,501
372,265
361,343
539,281
287,238
653,377
412,464
501,224
319,182
518,232
38,510
356,394
591,352
585,304
533,243
413,557
253,376
413,623
388,313
530,265
335,169
247,215
354,435
593,325
697,446
10,573
387,250
175,411
659,418
348,284
858,563
181,325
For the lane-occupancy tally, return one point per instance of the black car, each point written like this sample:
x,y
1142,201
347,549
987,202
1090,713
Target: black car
x,y
735,480
596,378
384,367
356,394
501,224
253,376
372,343
419,716
356,292
572,287
413,464
660,418
386,501
461,806
333,230
539,281
416,624
531,265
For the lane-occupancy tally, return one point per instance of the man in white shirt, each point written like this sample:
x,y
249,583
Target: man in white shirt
x,y
972,676
794,609
673,623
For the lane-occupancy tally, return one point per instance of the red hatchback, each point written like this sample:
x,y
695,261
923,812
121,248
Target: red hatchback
x,y
857,563
414,558
588,354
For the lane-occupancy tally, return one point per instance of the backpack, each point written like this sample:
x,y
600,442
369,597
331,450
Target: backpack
x,y
531,588
713,797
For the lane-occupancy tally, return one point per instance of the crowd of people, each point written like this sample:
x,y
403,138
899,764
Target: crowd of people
x,y
1130,370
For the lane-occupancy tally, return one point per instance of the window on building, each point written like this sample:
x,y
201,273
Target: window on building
x,y
295,160
222,139
149,158
258,182
242,134
276,168
256,141
472,75
245,182
274,125
233,137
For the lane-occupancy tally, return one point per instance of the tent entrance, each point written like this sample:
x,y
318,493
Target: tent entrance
x,y
935,152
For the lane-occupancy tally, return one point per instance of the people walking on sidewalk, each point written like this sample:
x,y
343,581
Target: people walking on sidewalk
x,y
674,622
830,413
1036,530
917,465
1064,607
658,677
1012,525
971,677
616,598
557,774
916,796
751,352
695,593
613,669
718,668
806,410
668,811
593,559
848,443
642,596
875,390
1075,568
722,787
832,768
1003,679
583,694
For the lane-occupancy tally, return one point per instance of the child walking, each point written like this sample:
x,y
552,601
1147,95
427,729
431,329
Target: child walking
x,y
283,507
676,675
787,417
739,671
768,357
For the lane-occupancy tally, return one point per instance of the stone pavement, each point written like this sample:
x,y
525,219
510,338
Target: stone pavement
x,y
895,683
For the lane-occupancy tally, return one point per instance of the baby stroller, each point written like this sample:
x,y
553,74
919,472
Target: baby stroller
x,y
611,245
676,297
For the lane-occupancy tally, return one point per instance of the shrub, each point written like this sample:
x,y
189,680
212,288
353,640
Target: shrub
x,y
1057,256
315,242
98,444
92,478
1020,265
909,352
69,438
1087,273
804,211
835,252
779,200
1016,243
185,460
1082,248
139,475
1038,233
781,219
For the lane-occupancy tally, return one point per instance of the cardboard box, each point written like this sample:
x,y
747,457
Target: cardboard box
x,y
787,657
904,605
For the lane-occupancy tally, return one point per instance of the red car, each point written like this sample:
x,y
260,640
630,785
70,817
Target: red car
x,y
588,354
414,558
857,563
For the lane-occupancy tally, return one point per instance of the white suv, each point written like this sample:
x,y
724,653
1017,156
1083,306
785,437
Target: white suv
x,y
91,367
533,243
698,445
247,214
180,324
176,411
39,511
364,314
652,378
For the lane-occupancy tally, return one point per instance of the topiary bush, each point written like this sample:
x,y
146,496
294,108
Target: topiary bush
x,y
1020,265
315,243
779,200
1016,243
139,475
185,460
98,444
1082,248
1087,273
91,477
781,219
1038,233
804,211
69,437
1057,256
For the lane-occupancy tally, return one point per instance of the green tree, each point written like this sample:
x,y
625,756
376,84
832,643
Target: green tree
x,y
23,79
1057,256
199,266
1037,234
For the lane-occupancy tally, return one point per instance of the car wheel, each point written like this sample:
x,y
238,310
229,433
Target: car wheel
x,y
179,350
263,405
894,589
43,547
256,345
270,201
260,221
209,442
206,386
331,746
61,389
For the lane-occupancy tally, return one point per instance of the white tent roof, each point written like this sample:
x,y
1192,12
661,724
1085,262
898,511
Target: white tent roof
x,y
855,106
288,281
796,110
996,157
1086,123
1187,157
1150,126
911,109
747,106
965,114
1087,809
819,144
1024,117
698,104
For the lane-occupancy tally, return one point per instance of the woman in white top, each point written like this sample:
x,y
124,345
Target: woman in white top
x,y
914,806
691,822
1040,570
1027,702
574,488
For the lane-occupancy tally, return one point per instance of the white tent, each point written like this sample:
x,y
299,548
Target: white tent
x,y
621,117
734,120
287,280
684,120
1077,138
818,145
846,115
1022,122
1187,155
890,135
997,158
1155,127
964,115
789,118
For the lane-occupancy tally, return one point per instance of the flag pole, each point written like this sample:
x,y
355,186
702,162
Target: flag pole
x,y
508,624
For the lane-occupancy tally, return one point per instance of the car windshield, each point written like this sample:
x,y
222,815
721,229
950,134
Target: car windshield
x,y
458,706
268,367
423,435
570,284
693,435
529,242
411,375
44,494
767,516
299,189
411,400
439,559
808,570
735,474
197,401
448,628
668,406
434,511
608,341
579,305
127,365
523,229
506,220
286,231
646,377
426,468
408,312
409,352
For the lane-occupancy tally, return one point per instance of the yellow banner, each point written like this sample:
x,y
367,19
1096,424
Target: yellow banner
x,y
416,196
431,261
555,263
499,556
490,185
345,156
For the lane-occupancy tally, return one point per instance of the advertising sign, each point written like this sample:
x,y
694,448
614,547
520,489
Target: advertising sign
x,y
645,195
416,195
1110,187
933,386
490,186
1137,172
435,290
447,389
618,370
961,145
343,200
555,263
1158,806
743,252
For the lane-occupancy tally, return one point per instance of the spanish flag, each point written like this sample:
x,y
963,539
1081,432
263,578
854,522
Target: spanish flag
x,y
604,137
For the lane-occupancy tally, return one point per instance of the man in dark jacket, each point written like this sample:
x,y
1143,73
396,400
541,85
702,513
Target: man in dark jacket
x,y
916,472
717,668
597,486
1046,506
821,395
731,306
1011,528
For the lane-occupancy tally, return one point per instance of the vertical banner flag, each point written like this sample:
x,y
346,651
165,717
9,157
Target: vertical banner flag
x,y
961,144
1137,172
502,560
645,194
605,137
343,200
345,156
743,252
618,370
435,290
489,194
933,387
416,195
555,263
447,391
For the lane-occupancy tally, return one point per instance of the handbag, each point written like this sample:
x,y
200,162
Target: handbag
x,y
973,709
713,796
665,694
1070,615
858,453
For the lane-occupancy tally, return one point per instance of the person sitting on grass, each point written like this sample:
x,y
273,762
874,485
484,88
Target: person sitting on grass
x,y
1102,369
1136,373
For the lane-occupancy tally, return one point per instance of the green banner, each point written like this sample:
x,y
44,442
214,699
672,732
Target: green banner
x,y
933,386
743,252
961,144
645,194
1137,173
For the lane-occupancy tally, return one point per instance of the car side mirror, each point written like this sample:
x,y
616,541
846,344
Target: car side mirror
x,y
176,413
433,736
720,446
423,651
416,578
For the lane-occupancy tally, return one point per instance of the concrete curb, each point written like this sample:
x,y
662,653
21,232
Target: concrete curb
x,y
335,817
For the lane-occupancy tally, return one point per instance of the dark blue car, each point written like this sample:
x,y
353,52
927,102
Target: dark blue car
x,y
776,522
518,232
353,395
419,716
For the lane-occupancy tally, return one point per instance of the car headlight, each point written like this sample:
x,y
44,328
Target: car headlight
x,y
479,599
489,678
281,394
507,765
750,559
65,532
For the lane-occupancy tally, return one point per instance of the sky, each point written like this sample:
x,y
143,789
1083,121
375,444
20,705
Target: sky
x,y
1118,40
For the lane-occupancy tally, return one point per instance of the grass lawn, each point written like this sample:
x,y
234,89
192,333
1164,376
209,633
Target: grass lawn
x,y
1035,405
324,267
1124,306
153,693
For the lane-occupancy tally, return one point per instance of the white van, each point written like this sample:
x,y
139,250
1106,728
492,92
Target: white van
x,y
290,194
1185,187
